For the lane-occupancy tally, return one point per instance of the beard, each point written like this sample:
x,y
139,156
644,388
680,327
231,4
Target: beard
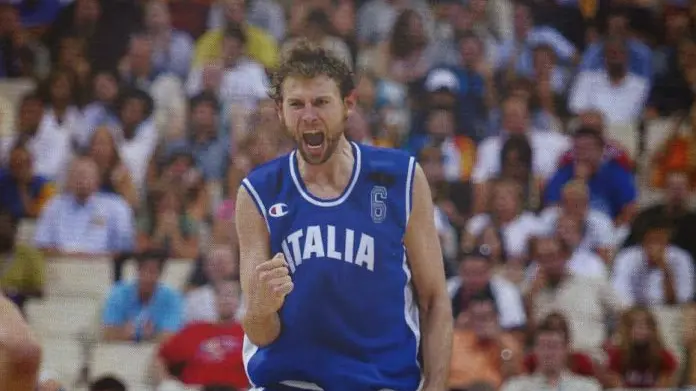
x,y
328,147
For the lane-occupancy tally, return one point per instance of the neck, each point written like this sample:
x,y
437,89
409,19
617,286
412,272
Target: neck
x,y
145,296
81,199
506,217
59,108
553,375
335,170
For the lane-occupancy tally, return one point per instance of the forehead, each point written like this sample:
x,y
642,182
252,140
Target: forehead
x,y
310,88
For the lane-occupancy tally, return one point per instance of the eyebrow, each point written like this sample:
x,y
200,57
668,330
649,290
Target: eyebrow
x,y
294,98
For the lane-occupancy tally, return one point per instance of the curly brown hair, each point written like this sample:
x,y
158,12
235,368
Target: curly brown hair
x,y
307,60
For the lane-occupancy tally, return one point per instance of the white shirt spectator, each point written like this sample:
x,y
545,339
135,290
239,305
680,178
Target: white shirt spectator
x,y
104,224
246,83
137,152
620,104
599,228
508,299
547,148
51,148
582,263
636,282
516,234
200,306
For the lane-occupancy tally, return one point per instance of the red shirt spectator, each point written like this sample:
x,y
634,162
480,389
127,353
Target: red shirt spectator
x,y
210,353
634,378
578,363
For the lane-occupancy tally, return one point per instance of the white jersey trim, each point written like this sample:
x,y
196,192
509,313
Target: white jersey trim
x,y
326,204
409,186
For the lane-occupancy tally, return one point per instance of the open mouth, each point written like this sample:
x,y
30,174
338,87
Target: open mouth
x,y
313,139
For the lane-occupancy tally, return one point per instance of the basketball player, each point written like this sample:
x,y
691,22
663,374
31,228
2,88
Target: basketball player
x,y
333,237
20,353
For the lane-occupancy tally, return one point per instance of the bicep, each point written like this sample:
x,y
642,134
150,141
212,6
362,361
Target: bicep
x,y
252,236
422,242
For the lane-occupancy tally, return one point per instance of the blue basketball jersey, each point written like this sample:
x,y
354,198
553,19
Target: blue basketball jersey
x,y
351,322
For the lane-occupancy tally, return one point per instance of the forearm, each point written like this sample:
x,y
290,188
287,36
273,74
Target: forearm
x,y
262,330
116,333
437,342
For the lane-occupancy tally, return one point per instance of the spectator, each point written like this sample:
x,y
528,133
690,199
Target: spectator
x,y
209,148
219,264
516,161
144,309
137,70
260,45
585,302
318,30
376,19
114,177
571,231
31,110
577,363
20,55
22,266
675,206
551,349
475,279
598,229
620,95
101,109
483,352
107,383
547,148
640,358
172,48
243,81
24,193
81,221
265,14
654,272
612,188
208,353
671,92
676,154
507,215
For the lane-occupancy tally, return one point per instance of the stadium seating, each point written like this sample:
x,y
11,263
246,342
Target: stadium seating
x,y
69,317
82,278
130,362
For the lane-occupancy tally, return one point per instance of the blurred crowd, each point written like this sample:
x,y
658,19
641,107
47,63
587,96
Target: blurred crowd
x,y
558,137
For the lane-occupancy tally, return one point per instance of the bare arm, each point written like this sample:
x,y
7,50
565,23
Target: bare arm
x,y
20,352
118,333
254,249
425,259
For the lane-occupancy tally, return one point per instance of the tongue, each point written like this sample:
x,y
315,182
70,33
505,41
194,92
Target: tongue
x,y
313,139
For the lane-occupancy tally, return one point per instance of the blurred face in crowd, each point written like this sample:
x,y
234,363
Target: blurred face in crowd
x,y
415,32
475,273
232,50
220,263
169,202
478,7
515,116
87,12
30,113
356,127
506,200
491,240
61,89
677,25
8,231
21,165
618,26
588,151
204,119
569,231
234,11
148,274
9,20
616,58
655,242
514,168
551,349
71,50
140,53
157,16
574,201
471,49
102,148
366,91
440,125
484,319
544,60
314,113
550,257
227,295
105,87
522,21
687,55
83,178
133,112
677,193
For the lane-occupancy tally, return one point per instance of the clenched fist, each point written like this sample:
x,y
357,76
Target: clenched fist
x,y
271,283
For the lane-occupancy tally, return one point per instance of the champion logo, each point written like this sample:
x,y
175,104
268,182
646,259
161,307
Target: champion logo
x,y
278,210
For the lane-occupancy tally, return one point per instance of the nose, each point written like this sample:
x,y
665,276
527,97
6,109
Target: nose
x,y
309,114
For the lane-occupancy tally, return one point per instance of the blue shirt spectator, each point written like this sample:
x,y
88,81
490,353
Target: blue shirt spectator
x,y
639,58
143,309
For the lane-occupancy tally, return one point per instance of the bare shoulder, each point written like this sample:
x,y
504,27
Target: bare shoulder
x,y
422,204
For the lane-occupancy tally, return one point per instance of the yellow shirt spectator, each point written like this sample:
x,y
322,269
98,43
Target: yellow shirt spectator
x,y
23,272
260,46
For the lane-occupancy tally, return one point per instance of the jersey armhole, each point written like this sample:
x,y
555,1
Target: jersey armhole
x,y
410,176
257,200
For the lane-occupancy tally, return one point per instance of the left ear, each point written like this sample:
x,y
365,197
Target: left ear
x,y
349,102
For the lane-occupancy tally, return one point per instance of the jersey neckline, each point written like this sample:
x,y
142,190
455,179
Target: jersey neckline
x,y
309,197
